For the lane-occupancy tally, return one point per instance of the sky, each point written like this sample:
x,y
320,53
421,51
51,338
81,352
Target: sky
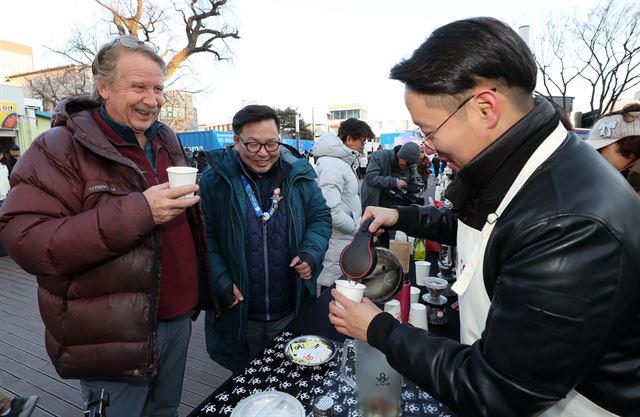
x,y
306,54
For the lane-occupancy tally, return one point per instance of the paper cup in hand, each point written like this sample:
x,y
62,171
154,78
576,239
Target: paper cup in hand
x,y
352,291
393,307
182,176
418,316
415,295
423,268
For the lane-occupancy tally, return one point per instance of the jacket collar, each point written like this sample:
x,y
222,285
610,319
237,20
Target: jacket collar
x,y
125,132
489,175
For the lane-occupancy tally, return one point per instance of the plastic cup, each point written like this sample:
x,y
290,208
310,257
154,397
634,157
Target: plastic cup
x,y
352,291
393,307
418,316
415,295
182,176
379,386
423,269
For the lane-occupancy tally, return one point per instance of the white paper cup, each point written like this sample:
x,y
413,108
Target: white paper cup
x,y
418,316
415,295
353,292
182,176
423,269
393,307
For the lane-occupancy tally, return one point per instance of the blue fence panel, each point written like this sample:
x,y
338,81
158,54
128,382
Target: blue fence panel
x,y
205,140
305,145
215,139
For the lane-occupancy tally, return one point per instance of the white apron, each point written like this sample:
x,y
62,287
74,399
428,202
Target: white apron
x,y
472,295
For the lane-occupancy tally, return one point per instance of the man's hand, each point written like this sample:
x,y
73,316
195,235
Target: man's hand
x,y
401,184
237,296
165,203
302,268
354,319
382,217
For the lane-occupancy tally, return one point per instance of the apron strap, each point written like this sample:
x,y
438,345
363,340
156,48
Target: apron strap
x,y
542,153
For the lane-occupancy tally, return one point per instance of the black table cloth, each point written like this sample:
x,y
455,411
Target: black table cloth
x,y
272,371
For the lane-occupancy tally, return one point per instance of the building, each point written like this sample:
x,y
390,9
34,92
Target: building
x,y
337,113
14,58
384,126
21,119
178,111
219,126
53,85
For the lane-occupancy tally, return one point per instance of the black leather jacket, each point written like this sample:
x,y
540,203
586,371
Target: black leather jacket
x,y
562,269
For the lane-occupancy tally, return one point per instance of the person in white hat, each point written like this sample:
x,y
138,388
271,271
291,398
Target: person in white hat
x,y
617,137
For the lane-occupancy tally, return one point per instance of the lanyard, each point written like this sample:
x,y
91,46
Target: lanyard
x,y
275,199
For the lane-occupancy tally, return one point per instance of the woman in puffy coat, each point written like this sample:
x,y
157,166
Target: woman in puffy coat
x,y
616,136
336,165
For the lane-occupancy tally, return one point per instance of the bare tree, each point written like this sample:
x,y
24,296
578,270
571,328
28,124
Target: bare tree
x,y
601,49
558,67
204,30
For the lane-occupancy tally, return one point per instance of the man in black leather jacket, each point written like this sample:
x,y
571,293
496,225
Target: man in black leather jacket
x,y
562,265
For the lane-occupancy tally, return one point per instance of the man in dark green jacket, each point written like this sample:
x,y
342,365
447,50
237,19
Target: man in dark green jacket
x,y
268,228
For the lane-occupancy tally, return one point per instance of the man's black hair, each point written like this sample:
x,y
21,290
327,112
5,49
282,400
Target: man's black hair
x,y
356,129
449,61
253,113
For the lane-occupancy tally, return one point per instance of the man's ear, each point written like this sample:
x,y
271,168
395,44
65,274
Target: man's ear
x,y
236,141
103,88
488,108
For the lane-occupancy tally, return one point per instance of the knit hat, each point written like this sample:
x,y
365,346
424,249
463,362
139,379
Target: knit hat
x,y
611,129
410,152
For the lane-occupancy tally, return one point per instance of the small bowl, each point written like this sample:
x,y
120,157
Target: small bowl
x,y
269,403
310,350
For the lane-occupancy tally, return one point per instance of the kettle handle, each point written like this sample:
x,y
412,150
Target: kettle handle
x,y
364,227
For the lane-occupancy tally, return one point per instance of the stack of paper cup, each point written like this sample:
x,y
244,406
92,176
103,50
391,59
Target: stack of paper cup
x,y
351,290
415,295
182,176
418,316
423,269
393,307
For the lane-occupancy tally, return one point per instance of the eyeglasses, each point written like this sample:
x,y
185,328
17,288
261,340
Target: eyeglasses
x,y
427,139
127,41
254,147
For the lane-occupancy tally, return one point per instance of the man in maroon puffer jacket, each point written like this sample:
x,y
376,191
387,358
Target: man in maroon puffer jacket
x,y
119,257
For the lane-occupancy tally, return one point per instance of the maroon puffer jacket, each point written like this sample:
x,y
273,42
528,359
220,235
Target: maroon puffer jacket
x,y
76,218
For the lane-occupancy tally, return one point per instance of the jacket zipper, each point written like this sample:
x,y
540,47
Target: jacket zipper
x,y
266,268
265,236
295,242
155,281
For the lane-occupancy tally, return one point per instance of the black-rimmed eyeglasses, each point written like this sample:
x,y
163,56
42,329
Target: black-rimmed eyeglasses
x,y
427,139
254,147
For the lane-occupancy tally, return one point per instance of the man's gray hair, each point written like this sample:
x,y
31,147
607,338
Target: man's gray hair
x,y
105,62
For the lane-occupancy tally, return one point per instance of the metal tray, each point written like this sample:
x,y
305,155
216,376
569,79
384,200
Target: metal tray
x,y
310,350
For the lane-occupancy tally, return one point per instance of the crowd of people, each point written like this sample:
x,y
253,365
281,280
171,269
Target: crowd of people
x,y
544,226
